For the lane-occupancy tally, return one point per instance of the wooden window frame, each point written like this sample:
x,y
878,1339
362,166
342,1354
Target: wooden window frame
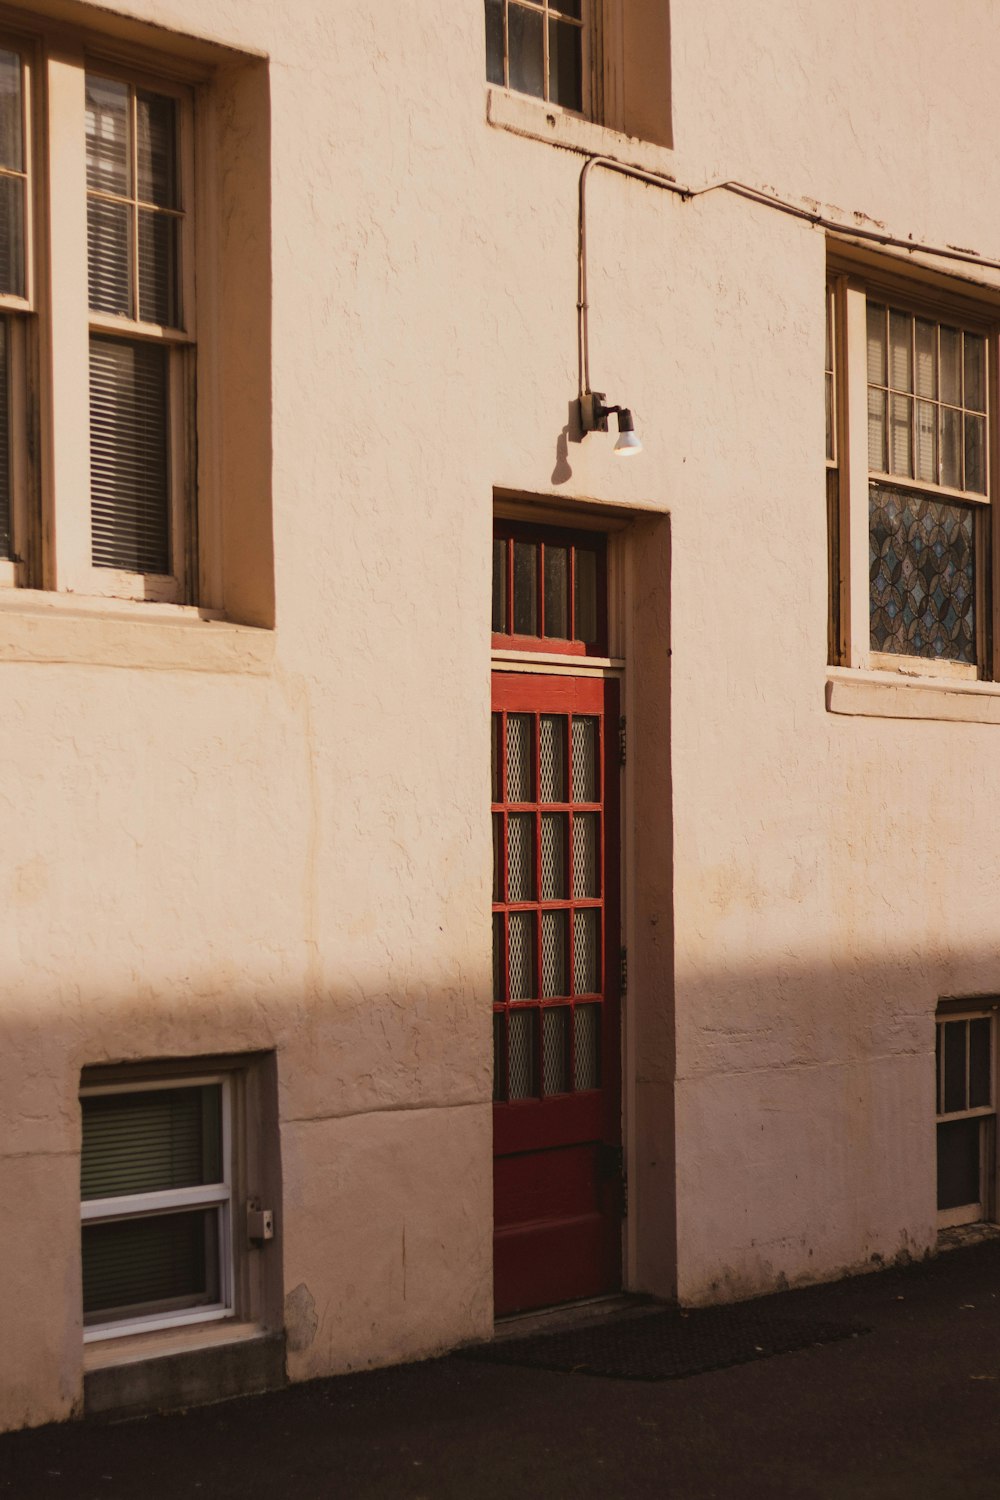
x,y
510,532
595,87
849,476
71,323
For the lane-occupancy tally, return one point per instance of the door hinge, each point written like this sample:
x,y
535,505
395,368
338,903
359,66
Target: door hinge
x,y
623,974
622,740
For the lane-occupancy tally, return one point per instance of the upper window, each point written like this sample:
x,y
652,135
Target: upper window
x,y
96,237
549,590
539,48
910,499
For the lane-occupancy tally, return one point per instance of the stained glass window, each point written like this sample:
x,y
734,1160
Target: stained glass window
x,y
922,575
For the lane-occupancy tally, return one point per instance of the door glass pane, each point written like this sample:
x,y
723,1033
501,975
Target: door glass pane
x,y
980,1062
497,958
521,955
497,856
958,1175
499,585
586,924
585,864
566,65
555,976
554,857
585,777
5,537
519,776
525,588
552,757
522,1064
526,50
586,1046
520,857
495,756
494,41
555,1050
557,592
954,1066
585,603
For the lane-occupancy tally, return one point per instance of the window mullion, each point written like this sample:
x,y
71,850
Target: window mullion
x,y
854,478
66,411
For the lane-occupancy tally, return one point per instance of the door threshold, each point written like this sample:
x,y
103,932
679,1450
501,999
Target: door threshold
x,y
568,1315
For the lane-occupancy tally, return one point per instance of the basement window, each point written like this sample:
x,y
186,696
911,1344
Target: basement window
x,y
966,1116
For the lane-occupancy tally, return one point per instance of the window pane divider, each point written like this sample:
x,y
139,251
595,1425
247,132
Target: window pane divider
x,y
133,1205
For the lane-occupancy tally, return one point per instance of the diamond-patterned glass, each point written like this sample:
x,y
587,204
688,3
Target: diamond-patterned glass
x,y
555,1050
521,954
555,980
585,780
921,556
497,957
522,1067
585,945
554,857
585,831
498,1057
518,757
520,857
552,757
587,1046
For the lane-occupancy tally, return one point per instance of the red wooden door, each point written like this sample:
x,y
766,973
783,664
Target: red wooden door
x,y
557,1103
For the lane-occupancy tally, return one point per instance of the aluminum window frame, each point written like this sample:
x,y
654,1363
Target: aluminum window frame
x,y
147,1205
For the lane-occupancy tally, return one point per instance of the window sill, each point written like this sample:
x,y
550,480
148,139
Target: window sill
x,y
533,118
64,629
886,695
178,1368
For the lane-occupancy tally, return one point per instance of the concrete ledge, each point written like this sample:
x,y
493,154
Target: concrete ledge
x,y
192,1377
885,696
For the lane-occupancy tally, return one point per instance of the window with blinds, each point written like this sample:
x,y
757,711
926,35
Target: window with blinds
x,y
155,1204
135,226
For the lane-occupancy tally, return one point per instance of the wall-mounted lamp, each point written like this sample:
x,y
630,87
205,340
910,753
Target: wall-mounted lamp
x,y
594,418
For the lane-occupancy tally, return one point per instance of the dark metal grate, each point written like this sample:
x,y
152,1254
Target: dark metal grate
x,y
668,1345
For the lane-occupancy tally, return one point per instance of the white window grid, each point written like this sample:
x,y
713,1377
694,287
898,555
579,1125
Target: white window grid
x,y
144,1205
984,1113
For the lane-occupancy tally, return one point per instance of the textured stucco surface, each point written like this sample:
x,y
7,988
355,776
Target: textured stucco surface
x,y
297,855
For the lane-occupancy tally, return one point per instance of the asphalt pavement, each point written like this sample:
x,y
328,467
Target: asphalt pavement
x,y
907,1410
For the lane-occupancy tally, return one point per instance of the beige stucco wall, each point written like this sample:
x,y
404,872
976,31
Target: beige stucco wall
x,y
215,842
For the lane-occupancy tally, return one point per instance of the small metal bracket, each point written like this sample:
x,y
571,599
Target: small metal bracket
x,y
623,974
622,741
593,414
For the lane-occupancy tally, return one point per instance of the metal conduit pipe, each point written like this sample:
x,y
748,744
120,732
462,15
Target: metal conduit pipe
x,y
742,190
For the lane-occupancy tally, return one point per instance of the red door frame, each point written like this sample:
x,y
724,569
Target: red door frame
x,y
557,1181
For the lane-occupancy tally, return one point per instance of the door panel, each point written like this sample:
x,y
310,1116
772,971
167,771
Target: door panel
x,y
557,1100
